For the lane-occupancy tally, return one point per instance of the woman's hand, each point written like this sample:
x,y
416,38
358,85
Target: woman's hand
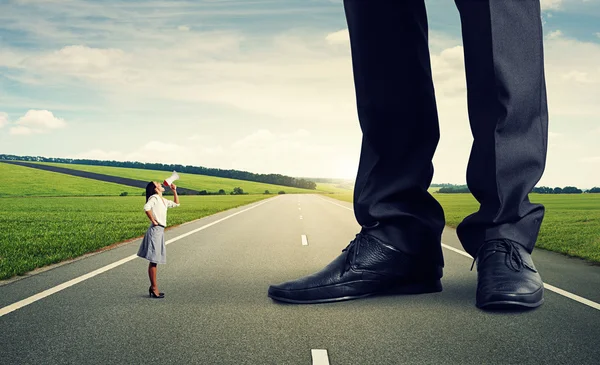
x,y
151,217
174,188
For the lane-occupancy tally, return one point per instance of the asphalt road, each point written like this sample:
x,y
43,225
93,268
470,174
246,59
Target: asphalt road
x,y
216,309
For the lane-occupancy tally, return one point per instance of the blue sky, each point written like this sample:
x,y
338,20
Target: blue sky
x,y
263,86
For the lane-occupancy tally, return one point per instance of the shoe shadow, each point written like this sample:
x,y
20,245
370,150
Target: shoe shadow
x,y
503,309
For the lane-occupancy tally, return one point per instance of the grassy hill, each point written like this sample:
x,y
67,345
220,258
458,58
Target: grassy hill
x,y
25,181
190,181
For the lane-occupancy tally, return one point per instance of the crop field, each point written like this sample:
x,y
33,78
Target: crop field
x,y
38,231
25,181
190,181
571,225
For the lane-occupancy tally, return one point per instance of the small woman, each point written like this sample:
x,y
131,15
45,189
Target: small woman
x,y
153,244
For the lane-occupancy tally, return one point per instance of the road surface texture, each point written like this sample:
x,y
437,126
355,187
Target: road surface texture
x,y
216,309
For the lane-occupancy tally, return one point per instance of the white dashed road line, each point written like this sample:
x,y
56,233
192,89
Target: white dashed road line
x,y
319,357
34,298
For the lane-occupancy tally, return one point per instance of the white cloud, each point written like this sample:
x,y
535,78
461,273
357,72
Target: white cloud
x,y
339,37
80,60
22,131
577,76
3,119
448,72
573,77
294,79
551,4
555,34
37,121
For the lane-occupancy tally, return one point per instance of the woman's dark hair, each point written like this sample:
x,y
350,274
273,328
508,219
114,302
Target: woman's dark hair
x,y
150,190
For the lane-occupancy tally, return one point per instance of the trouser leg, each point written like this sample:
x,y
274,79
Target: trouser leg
x,y
398,117
509,120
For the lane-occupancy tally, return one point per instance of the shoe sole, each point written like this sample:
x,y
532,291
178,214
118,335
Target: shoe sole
x,y
512,301
416,288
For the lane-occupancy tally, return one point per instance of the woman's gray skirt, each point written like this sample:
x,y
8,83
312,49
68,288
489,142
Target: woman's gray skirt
x,y
153,245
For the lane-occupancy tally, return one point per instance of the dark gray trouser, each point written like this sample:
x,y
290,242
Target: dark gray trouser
x,y
397,111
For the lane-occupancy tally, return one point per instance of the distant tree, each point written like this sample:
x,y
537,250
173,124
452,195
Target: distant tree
x,y
441,185
267,192
124,194
202,192
557,190
221,192
595,189
543,190
571,190
281,192
454,189
238,191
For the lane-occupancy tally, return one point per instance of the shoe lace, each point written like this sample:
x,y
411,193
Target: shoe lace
x,y
513,258
352,250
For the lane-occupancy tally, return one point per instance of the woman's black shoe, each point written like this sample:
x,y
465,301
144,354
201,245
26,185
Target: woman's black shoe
x,y
153,294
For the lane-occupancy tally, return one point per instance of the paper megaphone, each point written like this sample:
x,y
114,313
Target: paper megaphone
x,y
168,181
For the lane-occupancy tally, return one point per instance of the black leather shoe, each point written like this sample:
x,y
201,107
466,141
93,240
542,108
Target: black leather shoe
x,y
152,294
506,276
367,266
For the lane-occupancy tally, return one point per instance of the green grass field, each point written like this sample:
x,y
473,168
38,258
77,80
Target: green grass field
x,y
25,181
49,217
571,225
190,181
38,231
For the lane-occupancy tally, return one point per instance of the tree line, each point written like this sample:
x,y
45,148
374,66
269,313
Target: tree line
x,y
275,179
565,190
450,189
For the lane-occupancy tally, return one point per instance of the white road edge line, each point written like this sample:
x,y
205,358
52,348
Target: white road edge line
x,y
559,291
304,240
319,357
34,298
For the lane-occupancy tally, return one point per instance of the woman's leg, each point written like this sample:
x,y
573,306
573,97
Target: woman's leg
x,y
152,269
